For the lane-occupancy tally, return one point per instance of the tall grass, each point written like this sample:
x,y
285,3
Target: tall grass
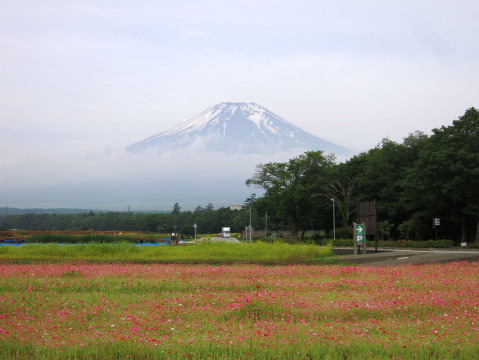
x,y
207,252
257,351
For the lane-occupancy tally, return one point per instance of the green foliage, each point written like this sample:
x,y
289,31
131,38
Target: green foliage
x,y
206,252
341,242
410,229
381,173
384,229
423,178
416,244
344,232
205,350
444,181
293,190
176,209
208,221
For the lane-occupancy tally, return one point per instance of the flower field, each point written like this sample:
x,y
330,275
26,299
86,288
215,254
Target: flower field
x,y
138,311
206,252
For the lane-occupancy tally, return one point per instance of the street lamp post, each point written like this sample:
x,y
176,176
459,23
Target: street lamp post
x,y
250,229
334,222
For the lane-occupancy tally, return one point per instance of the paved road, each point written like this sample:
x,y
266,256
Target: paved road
x,y
385,257
230,239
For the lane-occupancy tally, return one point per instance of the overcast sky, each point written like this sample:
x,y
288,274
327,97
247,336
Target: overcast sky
x,y
83,78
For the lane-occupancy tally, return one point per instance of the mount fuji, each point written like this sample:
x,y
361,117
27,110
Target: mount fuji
x,y
237,128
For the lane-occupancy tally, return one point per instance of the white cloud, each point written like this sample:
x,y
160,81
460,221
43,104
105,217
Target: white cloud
x,y
194,34
132,176
80,77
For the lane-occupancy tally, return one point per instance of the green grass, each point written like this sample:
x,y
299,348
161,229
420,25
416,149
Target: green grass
x,y
206,252
359,351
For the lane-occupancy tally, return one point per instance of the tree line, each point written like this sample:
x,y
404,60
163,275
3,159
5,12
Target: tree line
x,y
422,178
413,182
207,219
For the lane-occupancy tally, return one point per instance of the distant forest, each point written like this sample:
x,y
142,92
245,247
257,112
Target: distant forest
x,y
207,219
413,182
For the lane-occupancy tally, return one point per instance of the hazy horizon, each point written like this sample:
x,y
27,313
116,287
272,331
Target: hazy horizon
x,y
80,81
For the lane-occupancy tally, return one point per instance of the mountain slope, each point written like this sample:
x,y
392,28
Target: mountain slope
x,y
237,128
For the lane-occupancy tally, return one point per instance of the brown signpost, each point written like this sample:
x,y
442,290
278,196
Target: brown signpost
x,y
367,216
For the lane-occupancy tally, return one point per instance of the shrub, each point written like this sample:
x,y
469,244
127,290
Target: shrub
x,y
416,244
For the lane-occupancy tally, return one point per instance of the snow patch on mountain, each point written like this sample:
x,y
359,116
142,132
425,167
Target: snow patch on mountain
x,y
236,128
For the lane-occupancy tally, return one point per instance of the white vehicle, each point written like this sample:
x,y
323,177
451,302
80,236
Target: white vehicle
x,y
226,232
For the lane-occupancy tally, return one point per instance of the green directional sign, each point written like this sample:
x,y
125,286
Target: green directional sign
x,y
360,233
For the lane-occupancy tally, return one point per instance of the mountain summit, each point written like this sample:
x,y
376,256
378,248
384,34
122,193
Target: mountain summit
x,y
237,128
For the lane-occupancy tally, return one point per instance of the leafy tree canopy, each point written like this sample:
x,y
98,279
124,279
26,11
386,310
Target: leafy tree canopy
x,y
293,189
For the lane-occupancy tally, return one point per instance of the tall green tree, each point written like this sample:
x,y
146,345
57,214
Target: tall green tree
x,y
293,190
378,174
343,191
445,177
384,173
176,209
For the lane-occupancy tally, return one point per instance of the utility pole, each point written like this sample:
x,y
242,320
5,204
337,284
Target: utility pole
x,y
334,221
266,224
250,228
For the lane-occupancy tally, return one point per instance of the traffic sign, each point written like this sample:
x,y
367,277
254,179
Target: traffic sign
x,y
360,233
359,237
360,229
